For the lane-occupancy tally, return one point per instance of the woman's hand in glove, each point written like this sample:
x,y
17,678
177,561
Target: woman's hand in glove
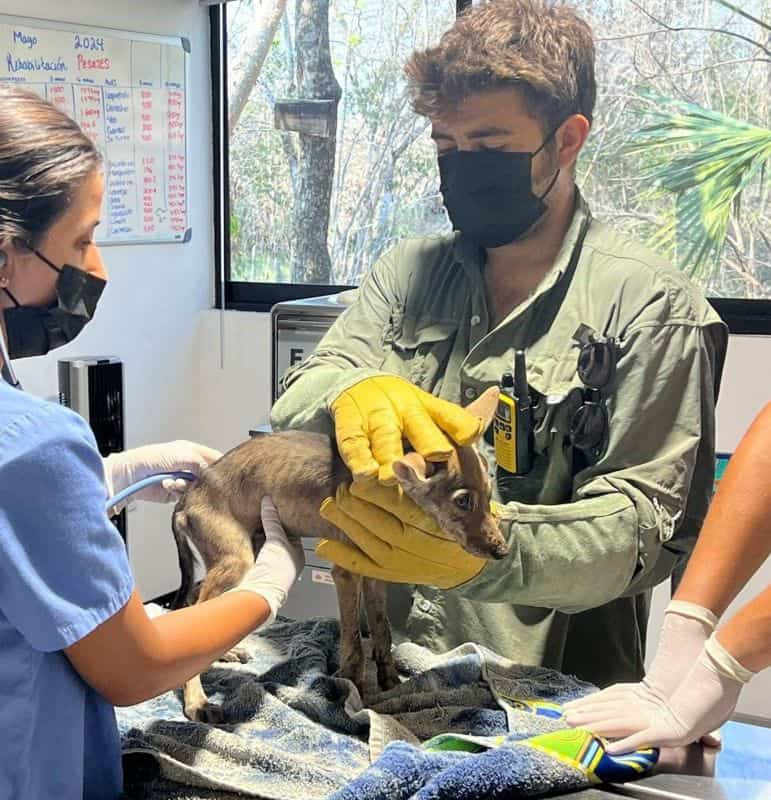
x,y
126,468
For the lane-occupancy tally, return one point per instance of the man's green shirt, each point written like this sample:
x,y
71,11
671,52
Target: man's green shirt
x,y
588,539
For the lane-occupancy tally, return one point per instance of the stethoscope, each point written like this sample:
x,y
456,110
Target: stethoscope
x,y
145,482
8,374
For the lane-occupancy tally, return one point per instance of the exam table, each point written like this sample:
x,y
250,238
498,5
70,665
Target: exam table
x,y
742,771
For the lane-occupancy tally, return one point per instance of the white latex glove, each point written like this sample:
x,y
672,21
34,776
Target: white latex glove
x,y
703,701
625,708
278,563
123,469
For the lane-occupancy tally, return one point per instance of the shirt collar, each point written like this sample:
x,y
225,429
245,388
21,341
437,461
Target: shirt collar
x,y
472,257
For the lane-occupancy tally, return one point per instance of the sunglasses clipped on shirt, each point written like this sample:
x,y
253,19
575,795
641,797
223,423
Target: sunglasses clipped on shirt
x,y
596,369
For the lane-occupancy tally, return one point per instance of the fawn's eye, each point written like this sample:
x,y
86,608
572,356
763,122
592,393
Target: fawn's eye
x,y
463,500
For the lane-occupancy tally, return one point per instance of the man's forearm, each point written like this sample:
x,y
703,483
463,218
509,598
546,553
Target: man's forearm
x,y
572,556
352,349
305,403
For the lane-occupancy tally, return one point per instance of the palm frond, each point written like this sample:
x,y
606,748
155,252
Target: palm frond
x,y
706,160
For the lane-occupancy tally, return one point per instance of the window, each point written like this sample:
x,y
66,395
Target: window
x,y
701,74
329,167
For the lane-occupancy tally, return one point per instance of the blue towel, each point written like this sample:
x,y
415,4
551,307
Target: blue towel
x,y
505,767
404,771
463,724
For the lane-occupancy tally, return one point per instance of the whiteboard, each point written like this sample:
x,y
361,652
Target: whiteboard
x,y
127,91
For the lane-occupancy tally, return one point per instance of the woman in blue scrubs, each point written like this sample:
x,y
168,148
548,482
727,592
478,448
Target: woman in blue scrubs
x,y
75,638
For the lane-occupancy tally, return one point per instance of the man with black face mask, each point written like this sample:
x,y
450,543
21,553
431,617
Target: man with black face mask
x,y
623,353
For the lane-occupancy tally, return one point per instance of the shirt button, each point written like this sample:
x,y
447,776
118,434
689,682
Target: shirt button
x,y
424,605
476,319
470,393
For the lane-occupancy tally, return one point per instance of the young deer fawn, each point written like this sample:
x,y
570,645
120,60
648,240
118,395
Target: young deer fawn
x,y
220,515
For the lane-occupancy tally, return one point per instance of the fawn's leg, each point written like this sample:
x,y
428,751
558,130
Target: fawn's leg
x,y
352,664
221,577
380,632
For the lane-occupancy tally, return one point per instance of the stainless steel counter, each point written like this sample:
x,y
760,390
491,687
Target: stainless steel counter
x,y
677,787
687,787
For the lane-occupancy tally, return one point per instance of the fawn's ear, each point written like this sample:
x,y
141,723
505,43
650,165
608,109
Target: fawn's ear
x,y
484,406
412,470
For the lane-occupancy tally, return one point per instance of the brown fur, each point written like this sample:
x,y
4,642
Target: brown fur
x,y
220,515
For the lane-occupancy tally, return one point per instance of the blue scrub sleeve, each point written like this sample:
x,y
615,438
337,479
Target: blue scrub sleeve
x,y
63,565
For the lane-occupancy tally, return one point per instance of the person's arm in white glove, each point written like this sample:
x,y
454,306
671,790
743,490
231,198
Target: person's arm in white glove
x,y
707,696
126,468
734,542
624,708
130,657
278,564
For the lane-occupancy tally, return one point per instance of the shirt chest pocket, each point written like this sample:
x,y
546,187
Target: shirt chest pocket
x,y
556,394
419,354
557,391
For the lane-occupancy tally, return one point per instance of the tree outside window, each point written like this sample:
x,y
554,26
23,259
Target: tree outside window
x,y
330,167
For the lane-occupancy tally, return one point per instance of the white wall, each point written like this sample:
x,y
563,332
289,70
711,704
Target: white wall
x,y
236,398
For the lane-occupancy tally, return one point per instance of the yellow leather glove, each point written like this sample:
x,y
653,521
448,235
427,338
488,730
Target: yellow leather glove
x,y
373,416
393,539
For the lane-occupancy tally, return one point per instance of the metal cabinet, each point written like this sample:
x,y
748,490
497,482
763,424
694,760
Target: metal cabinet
x,y
298,326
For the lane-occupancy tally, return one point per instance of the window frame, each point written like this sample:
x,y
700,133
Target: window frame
x,y
230,294
742,316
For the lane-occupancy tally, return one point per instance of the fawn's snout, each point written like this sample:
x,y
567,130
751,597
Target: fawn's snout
x,y
487,542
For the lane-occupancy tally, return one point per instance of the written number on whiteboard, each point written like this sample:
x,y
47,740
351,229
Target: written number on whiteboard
x,y
88,43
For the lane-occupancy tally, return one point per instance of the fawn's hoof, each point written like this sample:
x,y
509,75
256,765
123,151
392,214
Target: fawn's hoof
x,y
208,713
237,654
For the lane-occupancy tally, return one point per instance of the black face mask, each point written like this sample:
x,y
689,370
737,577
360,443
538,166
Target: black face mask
x,y
34,330
488,194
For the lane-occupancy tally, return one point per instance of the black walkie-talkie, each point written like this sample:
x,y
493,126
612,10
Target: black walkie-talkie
x,y
524,415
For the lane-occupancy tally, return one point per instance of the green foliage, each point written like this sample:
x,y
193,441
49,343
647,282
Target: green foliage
x,y
707,160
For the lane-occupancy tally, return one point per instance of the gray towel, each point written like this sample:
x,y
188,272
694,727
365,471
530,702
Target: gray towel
x,y
294,731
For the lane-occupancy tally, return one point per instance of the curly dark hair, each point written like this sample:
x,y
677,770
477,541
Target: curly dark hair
x,y
542,48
